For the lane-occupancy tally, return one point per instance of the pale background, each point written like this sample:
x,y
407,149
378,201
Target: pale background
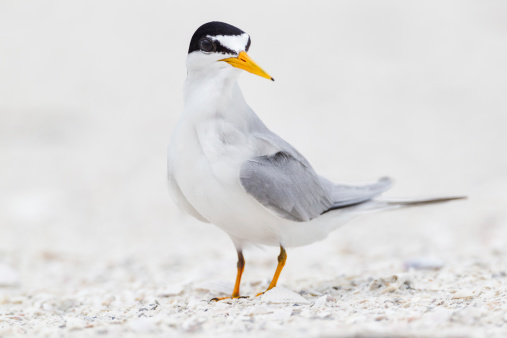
x,y
90,91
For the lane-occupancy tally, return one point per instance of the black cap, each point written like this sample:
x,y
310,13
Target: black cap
x,y
215,28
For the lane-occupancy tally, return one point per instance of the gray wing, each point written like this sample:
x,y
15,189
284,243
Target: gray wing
x,y
285,183
286,186
293,190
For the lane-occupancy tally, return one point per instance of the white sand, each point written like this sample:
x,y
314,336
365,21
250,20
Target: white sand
x,y
91,244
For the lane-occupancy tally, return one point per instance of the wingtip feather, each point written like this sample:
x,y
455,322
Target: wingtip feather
x,y
427,201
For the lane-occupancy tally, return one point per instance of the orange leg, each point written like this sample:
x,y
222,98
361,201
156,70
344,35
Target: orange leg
x,y
281,263
241,268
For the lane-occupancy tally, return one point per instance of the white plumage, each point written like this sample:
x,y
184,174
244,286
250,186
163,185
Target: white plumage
x,y
227,168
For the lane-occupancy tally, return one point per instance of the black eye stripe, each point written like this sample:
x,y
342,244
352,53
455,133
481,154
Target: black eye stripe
x,y
209,45
224,50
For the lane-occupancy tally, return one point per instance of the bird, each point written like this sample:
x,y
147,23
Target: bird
x,y
225,167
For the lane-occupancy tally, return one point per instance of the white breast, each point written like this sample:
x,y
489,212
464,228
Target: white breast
x,y
205,161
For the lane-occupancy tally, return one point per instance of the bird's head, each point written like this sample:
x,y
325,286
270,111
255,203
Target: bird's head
x,y
217,45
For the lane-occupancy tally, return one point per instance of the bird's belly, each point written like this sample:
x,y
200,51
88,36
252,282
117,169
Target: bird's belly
x,y
207,173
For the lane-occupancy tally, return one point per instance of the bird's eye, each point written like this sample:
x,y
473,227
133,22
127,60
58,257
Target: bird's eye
x,y
206,45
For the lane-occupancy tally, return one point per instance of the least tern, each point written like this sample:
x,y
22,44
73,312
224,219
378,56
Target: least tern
x,y
227,168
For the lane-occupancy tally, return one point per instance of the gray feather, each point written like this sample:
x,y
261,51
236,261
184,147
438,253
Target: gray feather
x,y
426,201
348,195
293,190
285,185
285,182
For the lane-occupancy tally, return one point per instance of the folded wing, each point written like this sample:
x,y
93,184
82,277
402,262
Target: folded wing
x,y
289,186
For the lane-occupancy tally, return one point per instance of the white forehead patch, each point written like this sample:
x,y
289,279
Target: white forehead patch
x,y
236,43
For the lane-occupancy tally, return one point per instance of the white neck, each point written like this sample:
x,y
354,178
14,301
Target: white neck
x,y
214,92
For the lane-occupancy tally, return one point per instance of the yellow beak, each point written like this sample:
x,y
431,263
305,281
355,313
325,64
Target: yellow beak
x,y
244,62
